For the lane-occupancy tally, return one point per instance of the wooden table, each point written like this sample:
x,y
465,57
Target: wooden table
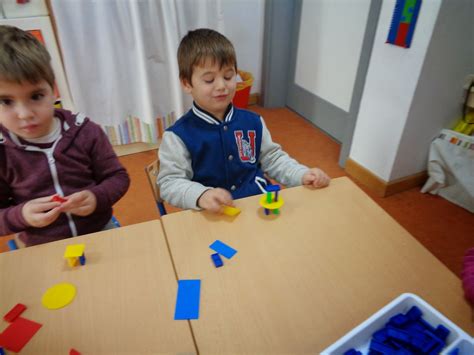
x,y
125,298
303,279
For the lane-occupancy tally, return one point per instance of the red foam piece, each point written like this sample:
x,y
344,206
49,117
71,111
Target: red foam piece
x,y
18,334
57,198
74,352
14,313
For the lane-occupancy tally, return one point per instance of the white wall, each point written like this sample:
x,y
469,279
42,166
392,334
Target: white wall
x,y
330,42
243,25
390,85
436,103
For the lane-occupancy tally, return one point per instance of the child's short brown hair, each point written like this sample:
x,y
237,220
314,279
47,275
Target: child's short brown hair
x,y
23,58
202,44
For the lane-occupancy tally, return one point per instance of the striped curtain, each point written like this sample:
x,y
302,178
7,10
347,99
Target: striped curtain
x,y
120,60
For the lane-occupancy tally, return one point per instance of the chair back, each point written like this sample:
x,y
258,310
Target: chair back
x,y
151,171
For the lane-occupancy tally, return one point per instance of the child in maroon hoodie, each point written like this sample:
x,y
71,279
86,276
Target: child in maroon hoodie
x,y
45,152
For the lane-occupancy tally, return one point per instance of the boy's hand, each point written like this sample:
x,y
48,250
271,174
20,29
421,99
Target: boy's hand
x,y
316,178
41,212
82,203
213,200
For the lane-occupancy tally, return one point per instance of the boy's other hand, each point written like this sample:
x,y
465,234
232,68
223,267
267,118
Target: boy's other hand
x,y
41,212
82,203
316,178
212,200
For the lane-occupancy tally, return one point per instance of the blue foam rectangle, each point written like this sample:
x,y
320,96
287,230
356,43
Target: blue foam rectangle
x,y
187,300
223,249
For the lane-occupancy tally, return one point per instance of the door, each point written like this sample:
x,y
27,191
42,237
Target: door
x,y
331,45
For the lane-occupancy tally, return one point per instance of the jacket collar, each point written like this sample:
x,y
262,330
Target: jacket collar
x,y
209,117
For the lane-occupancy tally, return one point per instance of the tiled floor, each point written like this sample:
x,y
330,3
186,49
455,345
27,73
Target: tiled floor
x,y
445,229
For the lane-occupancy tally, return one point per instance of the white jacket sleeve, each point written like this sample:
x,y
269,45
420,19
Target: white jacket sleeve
x,y
174,178
277,164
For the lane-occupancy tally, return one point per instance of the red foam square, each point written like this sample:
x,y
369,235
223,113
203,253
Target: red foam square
x,y
18,334
14,313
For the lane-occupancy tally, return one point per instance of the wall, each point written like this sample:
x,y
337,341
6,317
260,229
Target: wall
x,y
436,103
243,25
391,82
329,51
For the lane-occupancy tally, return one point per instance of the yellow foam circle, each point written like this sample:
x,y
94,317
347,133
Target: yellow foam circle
x,y
271,205
58,296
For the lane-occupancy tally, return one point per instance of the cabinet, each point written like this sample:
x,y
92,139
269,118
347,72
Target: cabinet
x,y
23,8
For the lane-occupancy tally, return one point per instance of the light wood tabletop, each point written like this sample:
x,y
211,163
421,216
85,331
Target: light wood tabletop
x,y
302,279
125,299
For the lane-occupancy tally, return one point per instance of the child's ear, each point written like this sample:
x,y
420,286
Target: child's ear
x,y
187,87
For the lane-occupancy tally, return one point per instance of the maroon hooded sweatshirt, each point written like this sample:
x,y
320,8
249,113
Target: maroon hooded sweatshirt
x,y
82,159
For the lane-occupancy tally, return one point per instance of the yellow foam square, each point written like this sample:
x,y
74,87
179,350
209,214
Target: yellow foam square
x,y
230,211
74,251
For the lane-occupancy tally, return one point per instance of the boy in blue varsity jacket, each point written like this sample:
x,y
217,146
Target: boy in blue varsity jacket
x,y
216,152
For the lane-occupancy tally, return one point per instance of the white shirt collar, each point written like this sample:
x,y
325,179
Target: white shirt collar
x,y
51,136
209,118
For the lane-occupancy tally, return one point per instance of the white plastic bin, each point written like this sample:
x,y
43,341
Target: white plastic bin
x,y
359,338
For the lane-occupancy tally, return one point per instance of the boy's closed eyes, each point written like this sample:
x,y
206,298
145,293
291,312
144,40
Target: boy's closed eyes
x,y
209,77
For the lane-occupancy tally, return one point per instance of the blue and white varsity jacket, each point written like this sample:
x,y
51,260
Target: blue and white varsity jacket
x,y
200,152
